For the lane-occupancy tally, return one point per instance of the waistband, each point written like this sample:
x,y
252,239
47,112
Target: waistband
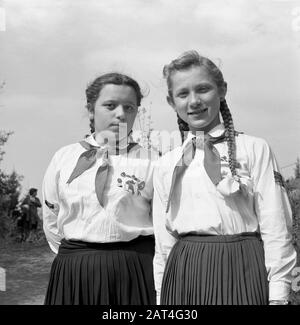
x,y
68,246
221,238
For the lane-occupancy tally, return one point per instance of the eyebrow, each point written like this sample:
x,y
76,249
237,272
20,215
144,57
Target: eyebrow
x,y
114,101
196,86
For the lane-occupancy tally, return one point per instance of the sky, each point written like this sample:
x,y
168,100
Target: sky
x,y
50,50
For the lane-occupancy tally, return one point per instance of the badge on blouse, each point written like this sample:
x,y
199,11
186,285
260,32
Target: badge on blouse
x,y
131,183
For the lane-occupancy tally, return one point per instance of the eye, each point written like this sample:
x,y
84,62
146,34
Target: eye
x,y
203,89
182,94
109,105
129,108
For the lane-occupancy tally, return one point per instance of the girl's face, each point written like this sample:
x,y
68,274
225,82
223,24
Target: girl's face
x,y
196,98
116,104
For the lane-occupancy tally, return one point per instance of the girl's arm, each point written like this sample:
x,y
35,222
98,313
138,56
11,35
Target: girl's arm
x,y
164,241
50,205
275,220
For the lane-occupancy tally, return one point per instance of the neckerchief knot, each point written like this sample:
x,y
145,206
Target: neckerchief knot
x,y
212,161
88,158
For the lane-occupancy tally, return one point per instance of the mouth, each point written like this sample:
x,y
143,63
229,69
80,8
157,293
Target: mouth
x,y
114,125
118,128
198,111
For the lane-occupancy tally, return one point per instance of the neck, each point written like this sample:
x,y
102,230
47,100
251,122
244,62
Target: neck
x,y
207,128
111,140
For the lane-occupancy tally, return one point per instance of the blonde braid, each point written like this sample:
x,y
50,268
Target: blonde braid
x,y
230,136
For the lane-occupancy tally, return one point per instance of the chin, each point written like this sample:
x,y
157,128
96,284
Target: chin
x,y
106,135
198,125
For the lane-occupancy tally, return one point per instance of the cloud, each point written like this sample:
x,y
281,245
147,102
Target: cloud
x,y
34,15
54,48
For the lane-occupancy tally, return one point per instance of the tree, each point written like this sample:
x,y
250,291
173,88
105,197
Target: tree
x,y
10,187
293,190
4,135
297,169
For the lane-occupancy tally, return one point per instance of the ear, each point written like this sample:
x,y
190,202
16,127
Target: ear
x,y
171,102
223,91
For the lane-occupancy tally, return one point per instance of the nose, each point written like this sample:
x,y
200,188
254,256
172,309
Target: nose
x,y
120,113
194,100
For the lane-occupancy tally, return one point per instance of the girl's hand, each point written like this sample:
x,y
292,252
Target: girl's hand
x,y
278,302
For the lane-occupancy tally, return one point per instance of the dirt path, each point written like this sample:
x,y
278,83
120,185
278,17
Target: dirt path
x,y
27,268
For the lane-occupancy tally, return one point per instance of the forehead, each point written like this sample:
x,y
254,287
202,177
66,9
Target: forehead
x,y
118,92
190,77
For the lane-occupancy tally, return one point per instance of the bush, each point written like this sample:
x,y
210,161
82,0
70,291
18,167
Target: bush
x,y
293,190
10,187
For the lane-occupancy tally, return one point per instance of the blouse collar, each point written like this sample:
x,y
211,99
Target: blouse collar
x,y
122,145
215,132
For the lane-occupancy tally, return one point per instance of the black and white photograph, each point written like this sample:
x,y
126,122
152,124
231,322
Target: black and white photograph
x,y
150,155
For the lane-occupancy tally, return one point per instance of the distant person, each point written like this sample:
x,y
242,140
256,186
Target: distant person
x,y
222,219
30,217
18,218
97,197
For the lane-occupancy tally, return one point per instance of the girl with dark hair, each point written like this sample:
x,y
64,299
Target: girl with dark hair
x,y
221,214
96,206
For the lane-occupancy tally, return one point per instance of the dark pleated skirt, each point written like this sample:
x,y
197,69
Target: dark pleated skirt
x,y
216,270
103,273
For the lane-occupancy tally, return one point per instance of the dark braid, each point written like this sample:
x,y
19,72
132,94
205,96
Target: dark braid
x,y
183,127
230,136
92,125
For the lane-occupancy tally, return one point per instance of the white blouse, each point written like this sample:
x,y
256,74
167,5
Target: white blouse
x,y
199,207
73,210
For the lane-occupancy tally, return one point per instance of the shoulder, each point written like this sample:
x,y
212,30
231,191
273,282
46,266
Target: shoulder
x,y
169,159
257,149
66,153
251,141
68,148
170,155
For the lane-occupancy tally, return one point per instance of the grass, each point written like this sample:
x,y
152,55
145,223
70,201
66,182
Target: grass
x,y
27,268
27,272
